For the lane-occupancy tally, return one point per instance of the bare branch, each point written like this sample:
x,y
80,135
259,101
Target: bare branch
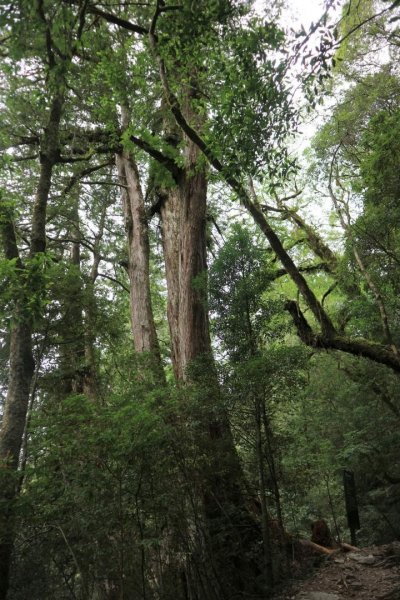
x,y
117,281
110,18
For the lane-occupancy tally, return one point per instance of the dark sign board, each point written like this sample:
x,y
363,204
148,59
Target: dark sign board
x,y
350,496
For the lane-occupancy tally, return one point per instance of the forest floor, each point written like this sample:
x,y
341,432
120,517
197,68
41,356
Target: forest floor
x,y
369,574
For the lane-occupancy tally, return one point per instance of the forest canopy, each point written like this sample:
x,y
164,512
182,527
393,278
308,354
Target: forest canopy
x,y
199,322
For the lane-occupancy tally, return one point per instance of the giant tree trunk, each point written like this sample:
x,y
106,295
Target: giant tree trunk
x,y
231,532
183,216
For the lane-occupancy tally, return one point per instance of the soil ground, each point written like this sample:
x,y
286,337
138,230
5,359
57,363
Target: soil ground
x,y
369,574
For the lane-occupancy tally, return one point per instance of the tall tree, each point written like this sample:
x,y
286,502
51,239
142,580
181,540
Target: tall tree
x,y
54,48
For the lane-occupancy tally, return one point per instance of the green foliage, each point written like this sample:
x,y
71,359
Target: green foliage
x,y
96,479
340,422
239,277
118,467
380,165
357,155
25,286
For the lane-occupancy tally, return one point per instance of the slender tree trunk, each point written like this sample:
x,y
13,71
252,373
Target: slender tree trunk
x,y
91,380
142,318
271,464
72,351
16,406
170,220
21,365
265,528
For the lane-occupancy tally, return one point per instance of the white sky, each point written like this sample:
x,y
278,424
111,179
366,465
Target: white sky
x,y
303,11
296,14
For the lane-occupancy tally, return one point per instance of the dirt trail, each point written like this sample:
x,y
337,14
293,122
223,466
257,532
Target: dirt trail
x,y
369,574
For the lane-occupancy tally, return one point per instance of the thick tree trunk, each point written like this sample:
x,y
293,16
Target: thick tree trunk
x,y
183,217
194,333
21,373
230,529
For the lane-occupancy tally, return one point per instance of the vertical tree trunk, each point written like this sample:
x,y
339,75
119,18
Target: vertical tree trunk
x,y
183,220
21,365
72,351
142,318
230,529
91,379
170,229
272,465
194,333
269,575
21,372
21,368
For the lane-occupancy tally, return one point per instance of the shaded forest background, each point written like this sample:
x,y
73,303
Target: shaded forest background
x,y
199,324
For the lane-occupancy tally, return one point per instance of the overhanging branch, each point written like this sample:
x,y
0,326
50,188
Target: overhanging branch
x,y
356,346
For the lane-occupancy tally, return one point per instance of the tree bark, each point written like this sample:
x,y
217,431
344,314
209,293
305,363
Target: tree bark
x,y
170,231
49,155
328,337
231,530
16,405
72,351
322,318
142,318
314,240
194,336
268,568
21,370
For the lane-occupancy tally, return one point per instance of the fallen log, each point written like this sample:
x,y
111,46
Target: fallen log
x,y
348,547
317,548
327,551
